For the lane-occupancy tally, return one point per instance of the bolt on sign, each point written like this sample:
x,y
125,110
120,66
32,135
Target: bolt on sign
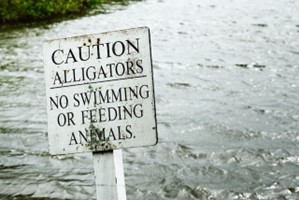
x,y
100,93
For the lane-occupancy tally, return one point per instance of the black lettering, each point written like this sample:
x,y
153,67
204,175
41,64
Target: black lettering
x,y
120,136
133,92
65,73
112,117
127,112
139,65
138,112
61,119
122,48
101,71
125,92
70,116
116,96
108,50
111,65
111,134
102,115
93,117
53,57
84,137
144,94
128,130
119,112
52,101
63,101
104,98
57,77
100,133
130,44
83,74
74,76
83,115
98,50
77,103
73,139
91,73
122,69
130,67
70,55
85,98
80,53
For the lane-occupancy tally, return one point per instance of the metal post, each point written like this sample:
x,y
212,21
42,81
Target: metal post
x,y
109,175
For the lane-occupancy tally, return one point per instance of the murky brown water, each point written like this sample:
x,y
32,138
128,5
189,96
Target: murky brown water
x,y
227,90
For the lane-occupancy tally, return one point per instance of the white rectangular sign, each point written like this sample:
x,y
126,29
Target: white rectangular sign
x,y
100,93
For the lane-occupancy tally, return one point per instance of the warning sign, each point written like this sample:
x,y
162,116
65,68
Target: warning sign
x,y
100,93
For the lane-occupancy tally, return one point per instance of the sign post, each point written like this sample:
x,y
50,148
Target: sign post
x,y
111,184
100,99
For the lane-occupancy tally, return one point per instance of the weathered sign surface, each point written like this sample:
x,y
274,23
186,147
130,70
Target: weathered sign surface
x,y
100,93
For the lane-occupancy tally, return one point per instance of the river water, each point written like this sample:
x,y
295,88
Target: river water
x,y
227,92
